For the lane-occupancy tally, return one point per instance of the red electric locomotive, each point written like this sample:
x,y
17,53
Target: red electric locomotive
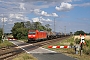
x,y
35,35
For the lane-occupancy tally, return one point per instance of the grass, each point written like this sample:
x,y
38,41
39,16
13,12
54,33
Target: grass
x,y
70,51
5,44
24,56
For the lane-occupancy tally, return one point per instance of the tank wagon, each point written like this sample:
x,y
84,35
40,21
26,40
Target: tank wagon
x,y
51,35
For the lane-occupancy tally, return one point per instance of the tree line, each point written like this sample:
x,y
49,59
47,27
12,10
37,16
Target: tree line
x,y
20,29
81,32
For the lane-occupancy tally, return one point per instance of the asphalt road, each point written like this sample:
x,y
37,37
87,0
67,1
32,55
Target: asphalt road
x,y
41,53
52,56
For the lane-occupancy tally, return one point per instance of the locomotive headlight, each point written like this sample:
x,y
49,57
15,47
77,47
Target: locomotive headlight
x,y
33,35
29,35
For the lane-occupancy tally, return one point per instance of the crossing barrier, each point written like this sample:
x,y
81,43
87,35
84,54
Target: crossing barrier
x,y
77,47
12,39
60,46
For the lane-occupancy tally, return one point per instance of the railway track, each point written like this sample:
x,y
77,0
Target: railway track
x,y
8,55
47,42
42,43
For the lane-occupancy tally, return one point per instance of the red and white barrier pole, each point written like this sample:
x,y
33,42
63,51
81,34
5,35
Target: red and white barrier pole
x,y
12,39
59,47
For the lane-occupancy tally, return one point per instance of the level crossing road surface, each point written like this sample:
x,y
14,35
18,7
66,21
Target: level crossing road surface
x,y
41,53
52,56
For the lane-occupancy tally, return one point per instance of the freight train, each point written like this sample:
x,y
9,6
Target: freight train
x,y
36,35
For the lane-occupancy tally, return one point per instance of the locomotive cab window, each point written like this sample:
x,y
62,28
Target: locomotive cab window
x,y
32,33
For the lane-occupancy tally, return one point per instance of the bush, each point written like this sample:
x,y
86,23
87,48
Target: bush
x,y
87,47
0,41
77,41
1,32
71,44
23,37
86,51
88,43
0,37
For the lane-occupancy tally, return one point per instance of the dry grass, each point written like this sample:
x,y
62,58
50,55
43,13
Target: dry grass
x,y
69,52
25,56
87,37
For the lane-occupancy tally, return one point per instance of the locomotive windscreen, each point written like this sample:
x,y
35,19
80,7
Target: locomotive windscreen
x,y
31,33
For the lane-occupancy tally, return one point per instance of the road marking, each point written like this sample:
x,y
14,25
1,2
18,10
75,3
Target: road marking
x,y
42,50
38,50
20,47
24,46
48,50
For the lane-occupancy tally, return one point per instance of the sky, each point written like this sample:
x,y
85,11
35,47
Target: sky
x,y
63,15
